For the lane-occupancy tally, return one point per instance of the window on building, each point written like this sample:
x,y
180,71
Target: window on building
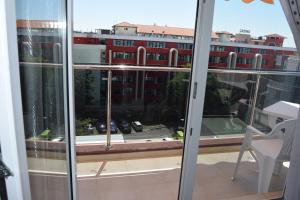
x,y
262,51
127,91
156,44
127,43
244,61
150,79
129,79
184,46
264,62
128,56
117,79
248,61
272,44
217,59
151,92
242,50
123,55
217,48
156,56
117,91
185,58
239,61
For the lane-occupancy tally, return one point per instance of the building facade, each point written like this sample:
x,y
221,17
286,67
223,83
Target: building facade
x,y
150,45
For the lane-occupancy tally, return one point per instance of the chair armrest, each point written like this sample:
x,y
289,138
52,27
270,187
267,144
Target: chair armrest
x,y
256,131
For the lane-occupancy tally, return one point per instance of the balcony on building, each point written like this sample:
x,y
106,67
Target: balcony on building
x,y
122,79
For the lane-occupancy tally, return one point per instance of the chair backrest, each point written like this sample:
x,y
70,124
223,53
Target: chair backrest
x,y
286,131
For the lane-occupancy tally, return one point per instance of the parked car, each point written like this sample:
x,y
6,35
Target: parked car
x,y
58,139
102,129
125,127
113,127
137,126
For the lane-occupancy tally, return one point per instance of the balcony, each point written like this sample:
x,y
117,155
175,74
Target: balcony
x,y
147,164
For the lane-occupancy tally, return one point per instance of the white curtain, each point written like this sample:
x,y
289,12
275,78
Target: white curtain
x,y
291,9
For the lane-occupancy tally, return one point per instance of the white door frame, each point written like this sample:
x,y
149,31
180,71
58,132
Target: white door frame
x,y
69,92
12,135
204,20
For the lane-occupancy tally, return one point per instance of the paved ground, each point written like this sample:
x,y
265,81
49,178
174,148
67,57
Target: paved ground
x,y
210,127
153,133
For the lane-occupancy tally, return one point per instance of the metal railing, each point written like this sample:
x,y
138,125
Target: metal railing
x,y
110,68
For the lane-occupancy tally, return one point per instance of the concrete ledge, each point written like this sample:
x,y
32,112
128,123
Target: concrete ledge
x,y
96,148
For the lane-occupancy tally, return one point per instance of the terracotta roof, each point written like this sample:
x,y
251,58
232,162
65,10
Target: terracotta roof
x,y
214,35
165,30
125,24
39,24
275,35
223,32
159,29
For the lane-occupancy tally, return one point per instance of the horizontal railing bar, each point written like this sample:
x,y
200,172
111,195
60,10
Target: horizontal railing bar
x,y
163,69
254,72
41,64
132,68
173,69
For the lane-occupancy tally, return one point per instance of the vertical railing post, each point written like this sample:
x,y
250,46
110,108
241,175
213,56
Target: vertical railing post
x,y
136,84
171,56
143,73
170,65
231,63
137,74
254,100
108,103
108,125
257,62
109,57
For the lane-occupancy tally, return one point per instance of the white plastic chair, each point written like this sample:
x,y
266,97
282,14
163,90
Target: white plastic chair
x,y
270,151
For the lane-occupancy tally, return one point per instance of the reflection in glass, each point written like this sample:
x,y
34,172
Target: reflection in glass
x,y
41,43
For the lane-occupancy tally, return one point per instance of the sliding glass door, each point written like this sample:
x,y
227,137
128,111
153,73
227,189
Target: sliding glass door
x,y
132,70
42,41
252,87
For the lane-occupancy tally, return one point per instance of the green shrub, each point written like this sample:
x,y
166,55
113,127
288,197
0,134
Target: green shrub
x,y
81,125
46,135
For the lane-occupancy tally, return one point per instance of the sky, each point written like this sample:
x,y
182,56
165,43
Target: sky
x,y
261,19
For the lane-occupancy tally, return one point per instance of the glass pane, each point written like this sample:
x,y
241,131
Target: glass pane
x,y
41,42
132,141
241,102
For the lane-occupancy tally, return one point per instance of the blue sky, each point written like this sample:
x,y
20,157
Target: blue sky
x,y
233,15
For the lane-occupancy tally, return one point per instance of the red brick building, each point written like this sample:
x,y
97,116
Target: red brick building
x,y
159,41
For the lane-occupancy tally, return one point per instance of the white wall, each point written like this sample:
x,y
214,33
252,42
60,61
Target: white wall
x,y
125,30
89,54
292,63
224,37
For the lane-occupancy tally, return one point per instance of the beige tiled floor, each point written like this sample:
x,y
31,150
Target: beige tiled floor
x,y
158,178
